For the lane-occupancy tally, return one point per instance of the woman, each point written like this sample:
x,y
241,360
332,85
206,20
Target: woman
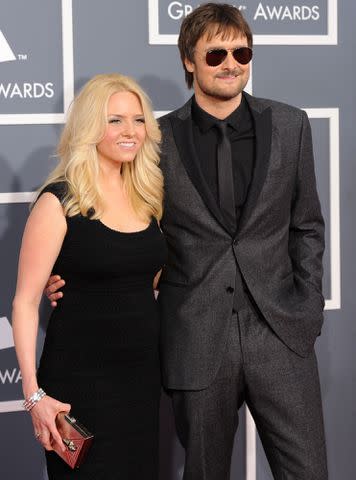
x,y
95,223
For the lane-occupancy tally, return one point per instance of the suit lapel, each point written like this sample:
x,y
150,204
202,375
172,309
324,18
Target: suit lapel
x,y
263,132
183,136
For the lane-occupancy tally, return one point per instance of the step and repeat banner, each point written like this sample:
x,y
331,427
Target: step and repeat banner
x,y
303,55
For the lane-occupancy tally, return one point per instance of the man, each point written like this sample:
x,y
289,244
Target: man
x,y
240,295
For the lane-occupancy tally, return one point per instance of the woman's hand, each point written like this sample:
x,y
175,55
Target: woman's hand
x,y
44,415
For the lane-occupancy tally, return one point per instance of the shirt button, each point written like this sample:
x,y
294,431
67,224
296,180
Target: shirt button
x,y
230,289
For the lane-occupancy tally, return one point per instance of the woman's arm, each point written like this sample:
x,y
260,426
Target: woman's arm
x,y
41,243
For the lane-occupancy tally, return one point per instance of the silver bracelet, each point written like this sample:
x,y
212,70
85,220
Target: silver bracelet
x,y
31,401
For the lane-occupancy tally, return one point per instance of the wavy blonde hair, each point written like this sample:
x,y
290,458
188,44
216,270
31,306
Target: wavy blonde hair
x,y
79,166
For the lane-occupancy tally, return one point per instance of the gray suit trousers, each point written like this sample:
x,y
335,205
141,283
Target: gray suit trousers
x,y
282,392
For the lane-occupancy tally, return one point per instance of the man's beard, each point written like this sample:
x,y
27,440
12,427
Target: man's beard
x,y
223,93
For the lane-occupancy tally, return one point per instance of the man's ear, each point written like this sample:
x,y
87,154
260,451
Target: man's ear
x,y
189,65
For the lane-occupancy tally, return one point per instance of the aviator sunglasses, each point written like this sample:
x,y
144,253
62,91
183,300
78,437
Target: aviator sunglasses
x,y
216,56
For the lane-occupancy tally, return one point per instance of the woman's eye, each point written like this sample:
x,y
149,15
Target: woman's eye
x,y
114,120
140,120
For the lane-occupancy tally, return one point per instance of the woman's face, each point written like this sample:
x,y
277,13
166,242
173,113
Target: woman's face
x,y
125,130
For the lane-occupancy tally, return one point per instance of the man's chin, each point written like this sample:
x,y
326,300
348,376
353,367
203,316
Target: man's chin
x,y
224,95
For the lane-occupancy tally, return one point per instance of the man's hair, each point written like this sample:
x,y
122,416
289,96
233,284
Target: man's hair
x,y
212,19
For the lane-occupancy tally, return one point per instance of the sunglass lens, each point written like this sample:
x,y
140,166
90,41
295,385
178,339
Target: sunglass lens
x,y
215,57
243,55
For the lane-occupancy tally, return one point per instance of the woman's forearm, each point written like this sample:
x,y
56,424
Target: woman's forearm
x,y
25,327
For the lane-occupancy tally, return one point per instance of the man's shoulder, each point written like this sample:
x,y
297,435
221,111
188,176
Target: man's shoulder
x,y
164,120
169,115
182,112
279,109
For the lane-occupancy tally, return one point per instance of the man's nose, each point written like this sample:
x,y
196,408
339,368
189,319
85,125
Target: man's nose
x,y
230,61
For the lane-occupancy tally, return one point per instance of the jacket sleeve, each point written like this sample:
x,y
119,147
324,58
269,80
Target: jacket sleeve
x,y
306,235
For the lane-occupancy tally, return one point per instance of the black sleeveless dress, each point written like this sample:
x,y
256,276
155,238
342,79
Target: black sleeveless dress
x,y
101,348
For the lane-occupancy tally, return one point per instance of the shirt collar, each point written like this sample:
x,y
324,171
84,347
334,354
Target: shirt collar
x,y
205,121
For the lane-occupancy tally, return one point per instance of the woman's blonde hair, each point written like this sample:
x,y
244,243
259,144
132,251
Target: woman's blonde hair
x,y
79,167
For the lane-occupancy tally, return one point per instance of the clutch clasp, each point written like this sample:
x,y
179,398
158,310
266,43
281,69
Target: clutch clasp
x,y
69,444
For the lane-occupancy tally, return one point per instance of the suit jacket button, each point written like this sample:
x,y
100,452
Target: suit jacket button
x,y
235,242
230,289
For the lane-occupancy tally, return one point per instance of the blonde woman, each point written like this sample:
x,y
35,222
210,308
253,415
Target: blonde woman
x,y
95,223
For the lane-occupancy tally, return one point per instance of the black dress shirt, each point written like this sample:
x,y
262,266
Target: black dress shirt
x,y
242,137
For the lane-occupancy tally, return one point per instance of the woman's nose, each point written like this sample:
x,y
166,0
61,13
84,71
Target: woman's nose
x,y
128,129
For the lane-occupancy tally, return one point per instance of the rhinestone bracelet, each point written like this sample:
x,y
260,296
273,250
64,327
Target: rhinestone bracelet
x,y
31,401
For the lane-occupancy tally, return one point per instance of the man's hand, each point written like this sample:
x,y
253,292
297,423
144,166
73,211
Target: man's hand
x,y
54,283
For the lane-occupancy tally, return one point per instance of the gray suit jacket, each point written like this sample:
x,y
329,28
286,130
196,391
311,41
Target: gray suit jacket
x,y
278,246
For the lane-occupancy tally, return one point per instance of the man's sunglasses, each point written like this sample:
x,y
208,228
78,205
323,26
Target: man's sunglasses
x,y
216,56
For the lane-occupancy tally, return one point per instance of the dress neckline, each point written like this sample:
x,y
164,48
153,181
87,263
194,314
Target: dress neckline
x,y
119,232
